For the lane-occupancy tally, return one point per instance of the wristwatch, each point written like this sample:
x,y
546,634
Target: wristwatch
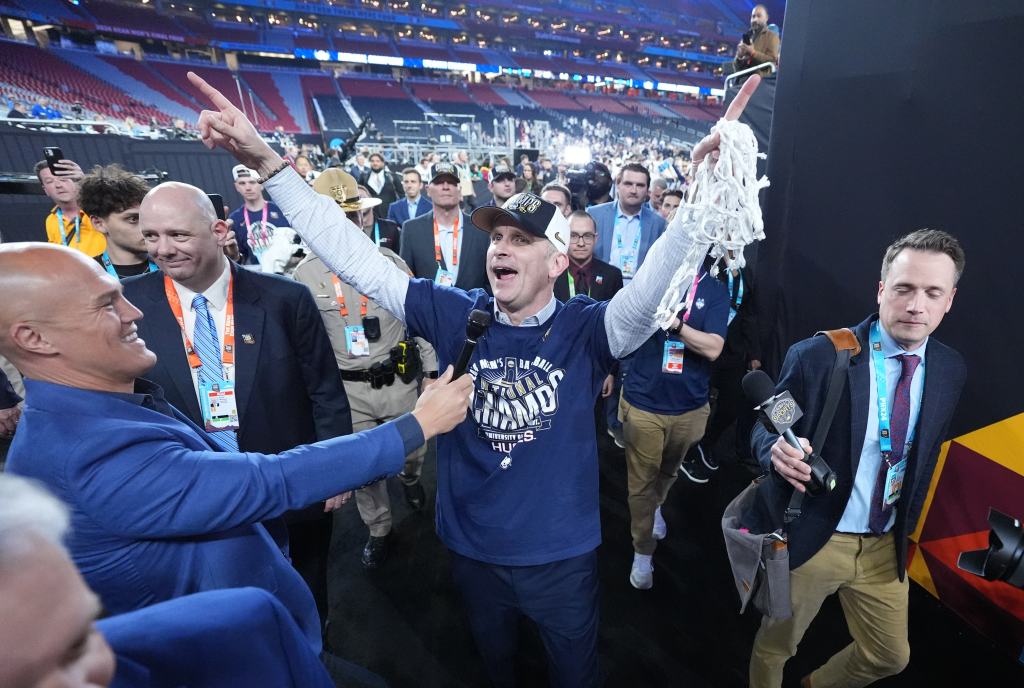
x,y
432,374
677,330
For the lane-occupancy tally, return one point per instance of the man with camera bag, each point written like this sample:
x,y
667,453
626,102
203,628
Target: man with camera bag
x,y
889,426
378,361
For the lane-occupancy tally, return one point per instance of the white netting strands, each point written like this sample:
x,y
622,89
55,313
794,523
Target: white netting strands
x,y
722,214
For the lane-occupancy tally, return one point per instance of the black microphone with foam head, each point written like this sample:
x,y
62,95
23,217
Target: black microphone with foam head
x,y
778,412
476,325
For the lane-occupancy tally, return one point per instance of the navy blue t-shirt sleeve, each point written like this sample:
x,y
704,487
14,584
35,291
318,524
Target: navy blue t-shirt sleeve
x,y
241,235
438,314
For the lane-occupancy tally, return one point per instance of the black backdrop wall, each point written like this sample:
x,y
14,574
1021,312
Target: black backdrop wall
x,y
21,216
892,116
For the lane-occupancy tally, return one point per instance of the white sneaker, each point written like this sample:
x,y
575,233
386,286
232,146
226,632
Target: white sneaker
x,y
660,528
641,576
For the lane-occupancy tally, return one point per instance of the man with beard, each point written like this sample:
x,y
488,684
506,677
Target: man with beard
x,y
382,184
759,45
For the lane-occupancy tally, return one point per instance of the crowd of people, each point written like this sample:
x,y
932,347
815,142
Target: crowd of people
x,y
208,391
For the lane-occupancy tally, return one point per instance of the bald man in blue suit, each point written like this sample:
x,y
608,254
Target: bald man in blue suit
x,y
156,511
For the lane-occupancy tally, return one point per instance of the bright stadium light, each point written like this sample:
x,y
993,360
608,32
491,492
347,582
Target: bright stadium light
x,y
576,156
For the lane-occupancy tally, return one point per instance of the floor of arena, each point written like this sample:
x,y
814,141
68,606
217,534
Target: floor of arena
x,y
404,621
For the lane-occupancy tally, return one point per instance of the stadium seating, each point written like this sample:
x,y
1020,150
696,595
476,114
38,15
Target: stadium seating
x,y
44,73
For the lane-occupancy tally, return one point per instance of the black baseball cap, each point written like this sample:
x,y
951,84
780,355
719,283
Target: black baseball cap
x,y
442,170
530,213
502,170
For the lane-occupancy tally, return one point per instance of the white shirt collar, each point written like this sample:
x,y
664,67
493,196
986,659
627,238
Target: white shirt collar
x,y
539,318
216,294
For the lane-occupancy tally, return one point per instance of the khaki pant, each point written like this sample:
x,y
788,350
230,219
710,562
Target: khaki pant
x,y
655,446
863,571
374,502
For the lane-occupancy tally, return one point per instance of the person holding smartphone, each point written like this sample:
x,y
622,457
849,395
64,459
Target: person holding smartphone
x,y
67,224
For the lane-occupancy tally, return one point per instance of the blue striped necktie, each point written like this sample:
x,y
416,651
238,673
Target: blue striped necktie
x,y
207,346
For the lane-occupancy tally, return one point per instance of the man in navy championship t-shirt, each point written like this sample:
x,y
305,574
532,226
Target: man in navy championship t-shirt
x,y
664,410
517,492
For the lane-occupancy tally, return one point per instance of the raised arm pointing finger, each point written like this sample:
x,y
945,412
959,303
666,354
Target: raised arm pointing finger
x,y
227,127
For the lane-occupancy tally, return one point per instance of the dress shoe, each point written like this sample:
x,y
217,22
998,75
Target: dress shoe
x,y
415,495
375,551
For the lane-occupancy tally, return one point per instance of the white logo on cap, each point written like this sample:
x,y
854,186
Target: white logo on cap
x,y
523,203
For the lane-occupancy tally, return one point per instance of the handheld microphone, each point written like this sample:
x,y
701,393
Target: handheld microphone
x,y
778,412
476,325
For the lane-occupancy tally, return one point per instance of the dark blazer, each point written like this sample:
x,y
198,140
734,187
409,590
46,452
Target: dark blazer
x,y
286,378
239,636
390,234
605,282
398,212
8,397
389,193
805,373
652,226
418,251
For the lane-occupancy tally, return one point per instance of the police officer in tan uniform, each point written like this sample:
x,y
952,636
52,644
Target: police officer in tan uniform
x,y
377,360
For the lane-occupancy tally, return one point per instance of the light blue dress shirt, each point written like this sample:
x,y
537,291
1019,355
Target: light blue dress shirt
x,y
628,227
858,509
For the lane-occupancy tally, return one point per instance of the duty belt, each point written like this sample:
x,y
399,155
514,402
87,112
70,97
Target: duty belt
x,y
379,375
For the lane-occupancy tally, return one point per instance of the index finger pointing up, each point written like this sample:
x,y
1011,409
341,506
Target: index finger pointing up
x,y
740,101
216,97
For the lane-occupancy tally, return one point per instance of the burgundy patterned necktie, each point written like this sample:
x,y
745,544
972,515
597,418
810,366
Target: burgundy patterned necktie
x,y
899,420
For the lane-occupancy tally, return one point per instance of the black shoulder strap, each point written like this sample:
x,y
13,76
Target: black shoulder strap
x,y
845,349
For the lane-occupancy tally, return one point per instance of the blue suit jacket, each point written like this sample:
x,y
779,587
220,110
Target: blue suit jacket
x,y
287,383
805,373
398,211
157,513
215,639
652,226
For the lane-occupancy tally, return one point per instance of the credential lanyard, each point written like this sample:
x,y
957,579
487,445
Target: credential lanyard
x,y
572,283
263,221
109,267
228,354
697,277
636,239
340,296
376,234
455,243
878,363
739,294
76,233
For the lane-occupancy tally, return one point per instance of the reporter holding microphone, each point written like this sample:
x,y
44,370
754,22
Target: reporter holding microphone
x,y
889,426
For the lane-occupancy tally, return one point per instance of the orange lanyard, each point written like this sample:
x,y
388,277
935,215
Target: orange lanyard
x,y
228,357
340,296
455,243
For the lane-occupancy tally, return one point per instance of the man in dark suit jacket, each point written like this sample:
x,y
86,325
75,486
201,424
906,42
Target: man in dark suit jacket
x,y
627,226
590,276
286,384
382,184
462,248
414,203
854,539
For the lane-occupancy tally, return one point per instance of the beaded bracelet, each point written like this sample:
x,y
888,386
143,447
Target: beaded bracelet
x,y
284,165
